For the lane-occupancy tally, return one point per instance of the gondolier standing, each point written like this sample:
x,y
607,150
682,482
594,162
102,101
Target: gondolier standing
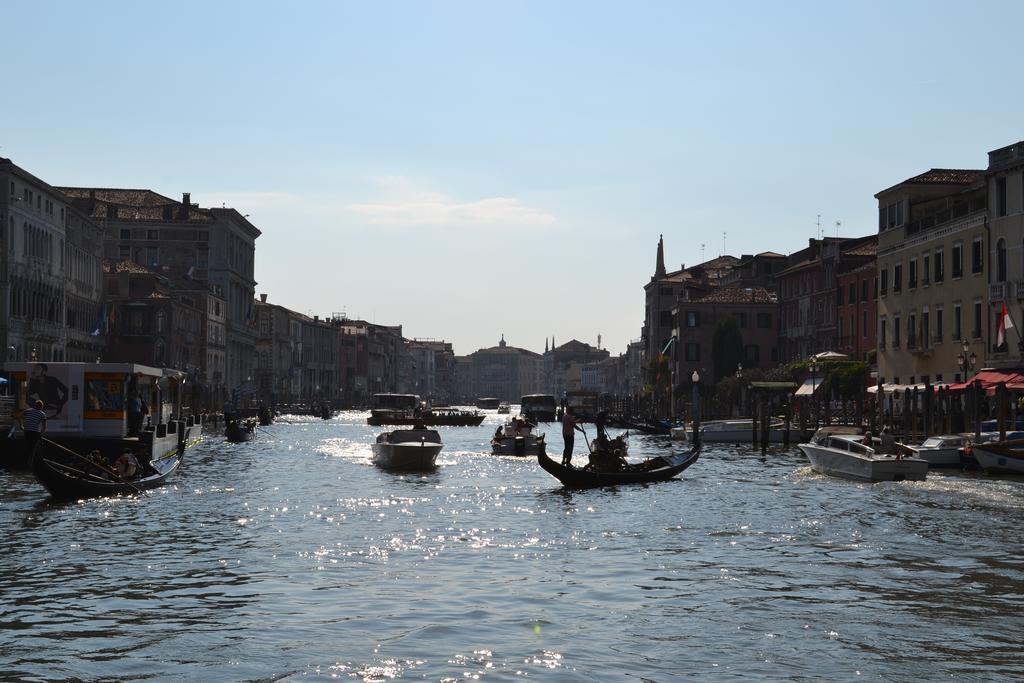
x,y
569,427
33,424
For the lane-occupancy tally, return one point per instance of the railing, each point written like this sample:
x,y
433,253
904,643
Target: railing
x,y
997,291
1019,289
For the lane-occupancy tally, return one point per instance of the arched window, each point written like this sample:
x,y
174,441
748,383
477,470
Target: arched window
x,y
1001,260
158,352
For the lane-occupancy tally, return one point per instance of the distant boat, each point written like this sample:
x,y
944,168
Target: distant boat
x,y
732,431
843,455
504,409
513,440
488,403
538,407
407,449
240,431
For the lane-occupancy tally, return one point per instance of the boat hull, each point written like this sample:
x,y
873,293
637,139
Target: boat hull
x,y
528,446
1000,457
860,467
578,478
416,455
731,431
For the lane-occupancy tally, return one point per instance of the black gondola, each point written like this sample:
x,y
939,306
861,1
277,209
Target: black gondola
x,y
660,468
240,431
73,478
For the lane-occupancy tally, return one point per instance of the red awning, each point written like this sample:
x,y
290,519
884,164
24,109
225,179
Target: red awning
x,y
990,379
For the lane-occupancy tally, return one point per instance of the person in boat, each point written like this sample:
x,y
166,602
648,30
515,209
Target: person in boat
x,y
569,426
600,423
888,441
33,424
264,414
498,433
127,466
867,440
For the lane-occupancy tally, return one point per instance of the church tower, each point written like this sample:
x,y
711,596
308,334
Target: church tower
x,y
659,269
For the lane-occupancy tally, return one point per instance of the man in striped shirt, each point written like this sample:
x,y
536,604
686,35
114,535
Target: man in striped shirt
x,y
33,424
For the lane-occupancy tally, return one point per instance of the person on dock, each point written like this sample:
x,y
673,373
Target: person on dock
x,y
569,426
33,424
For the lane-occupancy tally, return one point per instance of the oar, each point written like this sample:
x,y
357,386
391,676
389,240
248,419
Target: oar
x,y
97,465
586,439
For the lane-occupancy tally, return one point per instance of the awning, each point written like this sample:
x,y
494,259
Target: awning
x,y
809,386
990,379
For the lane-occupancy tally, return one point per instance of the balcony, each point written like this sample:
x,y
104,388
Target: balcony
x,y
997,291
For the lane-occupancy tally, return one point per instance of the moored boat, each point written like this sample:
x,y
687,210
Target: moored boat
x,y
660,468
1000,456
843,455
732,431
407,449
102,407
941,451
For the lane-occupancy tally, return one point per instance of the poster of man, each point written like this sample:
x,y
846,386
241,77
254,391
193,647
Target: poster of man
x,y
44,387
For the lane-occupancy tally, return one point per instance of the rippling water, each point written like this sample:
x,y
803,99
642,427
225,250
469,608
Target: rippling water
x,y
294,558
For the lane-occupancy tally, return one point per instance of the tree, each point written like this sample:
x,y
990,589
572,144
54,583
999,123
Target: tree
x,y
727,351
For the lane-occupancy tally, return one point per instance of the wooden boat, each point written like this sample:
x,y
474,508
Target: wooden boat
x,y
407,449
1000,456
843,455
69,477
240,431
431,417
651,470
87,409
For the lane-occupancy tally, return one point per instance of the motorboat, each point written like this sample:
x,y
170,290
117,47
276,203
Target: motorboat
x,y
504,409
846,456
941,451
538,408
407,449
517,438
731,431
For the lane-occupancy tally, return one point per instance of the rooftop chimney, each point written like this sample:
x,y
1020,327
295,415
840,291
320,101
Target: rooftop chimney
x,y
186,203
263,298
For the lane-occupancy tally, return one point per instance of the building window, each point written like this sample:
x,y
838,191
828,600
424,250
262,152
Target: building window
x,y
897,278
864,324
853,293
152,256
864,291
692,351
839,295
937,262
957,336
912,274
896,332
124,253
977,256
925,268
1001,260
976,331
1001,196
938,326
751,355
692,319
764,320
925,328
957,257
885,281
152,234
741,320
912,331
881,332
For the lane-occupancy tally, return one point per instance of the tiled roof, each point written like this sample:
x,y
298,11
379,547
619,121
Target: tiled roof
x,y
739,295
947,176
128,204
869,248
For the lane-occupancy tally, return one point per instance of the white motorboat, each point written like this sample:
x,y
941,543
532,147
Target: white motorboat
x,y
731,431
504,409
407,449
941,451
843,455
517,438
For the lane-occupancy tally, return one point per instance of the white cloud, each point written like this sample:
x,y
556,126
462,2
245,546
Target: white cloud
x,y
407,206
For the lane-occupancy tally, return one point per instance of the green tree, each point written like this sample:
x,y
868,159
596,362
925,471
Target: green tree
x,y
727,351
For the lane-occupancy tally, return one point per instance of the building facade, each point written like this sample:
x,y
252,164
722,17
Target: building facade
x,y
1004,179
504,372
932,276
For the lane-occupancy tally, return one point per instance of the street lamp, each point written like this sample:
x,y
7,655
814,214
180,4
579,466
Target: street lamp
x,y
695,378
814,397
739,378
966,361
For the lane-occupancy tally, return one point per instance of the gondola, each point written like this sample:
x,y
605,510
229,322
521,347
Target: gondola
x,y
240,431
74,478
660,468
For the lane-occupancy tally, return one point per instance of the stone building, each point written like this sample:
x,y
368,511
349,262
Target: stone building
x,y
274,374
856,298
932,283
1005,182
50,272
370,359
504,372
558,361
433,367
184,241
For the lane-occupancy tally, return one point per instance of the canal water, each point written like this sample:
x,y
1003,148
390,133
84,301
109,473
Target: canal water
x,y
294,558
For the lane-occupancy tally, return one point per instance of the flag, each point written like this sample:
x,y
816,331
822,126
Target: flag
x,y
1005,323
670,340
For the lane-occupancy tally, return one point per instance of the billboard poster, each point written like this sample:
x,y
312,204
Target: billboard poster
x,y
58,386
104,395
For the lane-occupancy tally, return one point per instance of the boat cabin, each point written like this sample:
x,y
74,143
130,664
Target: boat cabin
x,y
395,401
93,399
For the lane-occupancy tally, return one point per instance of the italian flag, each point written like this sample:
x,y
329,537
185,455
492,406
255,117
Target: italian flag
x,y
1005,323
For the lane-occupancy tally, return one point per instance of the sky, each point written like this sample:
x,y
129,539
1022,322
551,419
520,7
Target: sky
x,y
477,169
